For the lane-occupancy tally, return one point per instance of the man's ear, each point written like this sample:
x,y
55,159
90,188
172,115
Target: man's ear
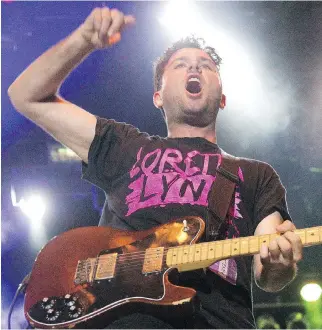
x,y
157,100
222,101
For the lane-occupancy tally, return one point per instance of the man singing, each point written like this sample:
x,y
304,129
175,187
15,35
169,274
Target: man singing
x,y
151,180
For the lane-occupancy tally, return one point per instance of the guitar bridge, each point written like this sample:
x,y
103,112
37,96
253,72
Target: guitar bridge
x,y
84,271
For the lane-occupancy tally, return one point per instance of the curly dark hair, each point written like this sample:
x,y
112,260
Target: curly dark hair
x,y
187,42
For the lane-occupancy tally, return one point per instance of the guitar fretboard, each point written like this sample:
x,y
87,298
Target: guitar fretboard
x,y
189,257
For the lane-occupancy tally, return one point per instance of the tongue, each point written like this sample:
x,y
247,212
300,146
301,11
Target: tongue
x,y
193,87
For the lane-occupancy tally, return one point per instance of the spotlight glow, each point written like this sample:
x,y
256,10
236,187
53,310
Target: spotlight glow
x,y
182,18
311,292
34,208
258,101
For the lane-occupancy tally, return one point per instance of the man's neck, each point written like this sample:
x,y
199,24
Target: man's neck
x,y
184,130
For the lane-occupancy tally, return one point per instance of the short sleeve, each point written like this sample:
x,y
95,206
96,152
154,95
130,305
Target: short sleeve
x,y
270,195
110,152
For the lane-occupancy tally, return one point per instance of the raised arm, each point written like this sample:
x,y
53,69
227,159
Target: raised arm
x,y
35,92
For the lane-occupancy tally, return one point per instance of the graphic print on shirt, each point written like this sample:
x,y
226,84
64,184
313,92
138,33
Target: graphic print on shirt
x,y
163,177
227,269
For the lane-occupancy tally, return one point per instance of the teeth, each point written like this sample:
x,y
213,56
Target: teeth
x,y
194,79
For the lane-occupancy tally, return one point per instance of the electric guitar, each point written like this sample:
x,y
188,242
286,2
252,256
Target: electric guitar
x,y
89,276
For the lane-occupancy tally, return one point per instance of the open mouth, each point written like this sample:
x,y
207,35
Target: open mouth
x,y
193,86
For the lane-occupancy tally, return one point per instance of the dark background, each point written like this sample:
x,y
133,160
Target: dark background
x,y
286,39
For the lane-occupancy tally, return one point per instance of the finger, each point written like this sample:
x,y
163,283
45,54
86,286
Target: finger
x,y
287,225
117,22
296,244
115,38
274,250
106,22
129,20
89,22
264,254
97,19
285,248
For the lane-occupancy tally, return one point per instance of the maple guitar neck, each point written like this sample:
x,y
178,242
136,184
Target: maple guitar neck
x,y
190,257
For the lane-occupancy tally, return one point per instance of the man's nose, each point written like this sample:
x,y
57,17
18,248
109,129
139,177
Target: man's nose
x,y
194,67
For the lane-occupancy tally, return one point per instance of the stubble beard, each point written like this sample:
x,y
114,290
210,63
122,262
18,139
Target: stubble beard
x,y
198,118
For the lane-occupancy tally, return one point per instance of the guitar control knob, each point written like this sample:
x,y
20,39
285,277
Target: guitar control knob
x,y
52,315
48,303
75,312
69,300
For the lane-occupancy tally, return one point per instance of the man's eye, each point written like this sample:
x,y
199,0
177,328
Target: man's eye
x,y
180,65
207,66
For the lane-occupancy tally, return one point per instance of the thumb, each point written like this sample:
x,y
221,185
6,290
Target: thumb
x,y
287,225
129,20
114,39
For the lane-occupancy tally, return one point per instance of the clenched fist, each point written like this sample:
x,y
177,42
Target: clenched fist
x,y
103,27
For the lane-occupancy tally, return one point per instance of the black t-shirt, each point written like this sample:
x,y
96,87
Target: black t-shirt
x,y
150,180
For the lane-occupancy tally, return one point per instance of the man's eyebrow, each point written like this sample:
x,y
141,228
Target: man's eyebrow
x,y
202,58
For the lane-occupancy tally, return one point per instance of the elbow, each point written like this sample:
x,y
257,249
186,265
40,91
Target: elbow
x,y
16,98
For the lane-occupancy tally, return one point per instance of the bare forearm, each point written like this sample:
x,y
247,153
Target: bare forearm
x,y
43,77
275,278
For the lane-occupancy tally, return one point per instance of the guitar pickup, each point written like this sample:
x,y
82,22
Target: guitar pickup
x,y
106,265
153,260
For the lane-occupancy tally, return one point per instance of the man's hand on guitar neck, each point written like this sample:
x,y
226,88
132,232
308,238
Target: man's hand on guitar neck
x,y
276,264
285,250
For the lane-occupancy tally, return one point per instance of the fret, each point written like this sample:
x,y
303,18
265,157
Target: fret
x,y
218,249
211,250
244,245
302,234
235,247
173,252
186,251
191,257
180,255
197,253
312,235
264,239
204,251
253,244
227,248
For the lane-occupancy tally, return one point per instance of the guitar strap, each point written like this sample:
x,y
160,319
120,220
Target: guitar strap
x,y
221,194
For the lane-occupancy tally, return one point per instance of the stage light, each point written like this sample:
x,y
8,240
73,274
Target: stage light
x,y
267,321
311,292
182,19
33,207
296,321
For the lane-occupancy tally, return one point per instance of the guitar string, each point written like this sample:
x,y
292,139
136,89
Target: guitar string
x,y
134,261
143,253
202,245
139,265
221,242
130,259
139,255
